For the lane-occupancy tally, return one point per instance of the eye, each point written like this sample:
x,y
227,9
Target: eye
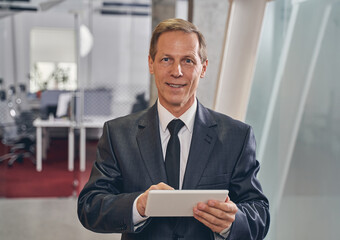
x,y
166,59
188,61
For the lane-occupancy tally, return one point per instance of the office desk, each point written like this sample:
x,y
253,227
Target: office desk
x,y
39,124
97,122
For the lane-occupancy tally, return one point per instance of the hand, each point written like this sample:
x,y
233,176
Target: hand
x,y
141,202
216,215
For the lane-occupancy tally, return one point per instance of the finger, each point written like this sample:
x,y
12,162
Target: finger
x,y
216,225
164,186
141,203
229,206
216,216
142,200
161,186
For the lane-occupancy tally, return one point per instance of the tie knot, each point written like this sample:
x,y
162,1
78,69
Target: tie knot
x,y
174,126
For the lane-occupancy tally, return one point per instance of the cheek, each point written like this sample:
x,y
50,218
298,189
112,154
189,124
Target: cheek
x,y
158,80
194,85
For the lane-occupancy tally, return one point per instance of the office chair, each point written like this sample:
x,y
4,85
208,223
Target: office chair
x,y
20,148
18,132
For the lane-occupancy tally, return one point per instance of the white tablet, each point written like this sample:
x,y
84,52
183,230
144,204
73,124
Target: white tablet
x,y
179,203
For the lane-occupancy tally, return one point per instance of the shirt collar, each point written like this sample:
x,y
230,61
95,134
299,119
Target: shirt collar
x,y
188,117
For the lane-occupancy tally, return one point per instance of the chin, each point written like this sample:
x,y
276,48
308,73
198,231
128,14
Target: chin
x,y
176,102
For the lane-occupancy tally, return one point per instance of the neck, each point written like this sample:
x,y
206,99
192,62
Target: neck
x,y
178,110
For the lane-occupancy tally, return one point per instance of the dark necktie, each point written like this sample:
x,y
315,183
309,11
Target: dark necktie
x,y
172,157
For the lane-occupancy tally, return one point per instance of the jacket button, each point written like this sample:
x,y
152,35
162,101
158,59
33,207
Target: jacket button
x,y
123,227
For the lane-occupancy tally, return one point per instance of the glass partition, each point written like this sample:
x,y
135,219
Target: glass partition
x,y
294,110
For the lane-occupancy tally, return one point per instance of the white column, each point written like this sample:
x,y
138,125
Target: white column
x,y
239,56
39,150
71,148
82,148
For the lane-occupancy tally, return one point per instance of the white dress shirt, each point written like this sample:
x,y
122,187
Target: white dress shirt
x,y
184,135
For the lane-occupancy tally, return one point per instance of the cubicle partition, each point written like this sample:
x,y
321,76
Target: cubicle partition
x,y
73,111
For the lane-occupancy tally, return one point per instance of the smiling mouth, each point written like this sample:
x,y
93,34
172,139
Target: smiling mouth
x,y
175,85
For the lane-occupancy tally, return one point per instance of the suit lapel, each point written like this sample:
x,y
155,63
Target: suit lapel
x,y
149,144
202,142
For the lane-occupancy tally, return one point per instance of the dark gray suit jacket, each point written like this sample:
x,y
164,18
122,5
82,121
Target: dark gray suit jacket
x,y
130,160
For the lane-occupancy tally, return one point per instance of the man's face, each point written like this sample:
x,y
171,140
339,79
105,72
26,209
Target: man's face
x,y
177,68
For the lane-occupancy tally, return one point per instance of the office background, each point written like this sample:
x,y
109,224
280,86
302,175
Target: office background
x,y
292,102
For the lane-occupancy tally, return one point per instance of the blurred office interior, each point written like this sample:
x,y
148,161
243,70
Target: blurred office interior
x,y
68,66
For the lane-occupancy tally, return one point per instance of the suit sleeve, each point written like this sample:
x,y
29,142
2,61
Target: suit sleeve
x,y
252,218
102,207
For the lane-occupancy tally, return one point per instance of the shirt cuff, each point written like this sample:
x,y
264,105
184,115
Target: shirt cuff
x,y
136,217
225,233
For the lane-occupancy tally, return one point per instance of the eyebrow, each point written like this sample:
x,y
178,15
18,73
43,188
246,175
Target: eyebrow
x,y
185,56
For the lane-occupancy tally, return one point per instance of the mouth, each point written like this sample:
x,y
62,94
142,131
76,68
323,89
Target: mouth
x,y
175,85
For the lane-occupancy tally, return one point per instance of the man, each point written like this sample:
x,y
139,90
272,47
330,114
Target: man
x,y
216,152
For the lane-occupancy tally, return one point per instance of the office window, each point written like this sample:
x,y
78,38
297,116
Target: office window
x,y
53,75
53,64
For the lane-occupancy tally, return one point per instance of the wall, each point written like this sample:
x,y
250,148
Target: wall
x,y
18,33
212,24
118,59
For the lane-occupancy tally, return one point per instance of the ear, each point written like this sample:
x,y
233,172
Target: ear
x,y
150,61
204,68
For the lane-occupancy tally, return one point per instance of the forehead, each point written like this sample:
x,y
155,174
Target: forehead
x,y
178,42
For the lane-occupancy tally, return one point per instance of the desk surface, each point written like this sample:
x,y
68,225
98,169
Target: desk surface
x,y
53,123
97,122
94,122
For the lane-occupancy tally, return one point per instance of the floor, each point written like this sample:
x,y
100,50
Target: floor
x,y
23,181
44,219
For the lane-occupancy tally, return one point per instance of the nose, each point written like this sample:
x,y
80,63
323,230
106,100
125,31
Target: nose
x,y
176,70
